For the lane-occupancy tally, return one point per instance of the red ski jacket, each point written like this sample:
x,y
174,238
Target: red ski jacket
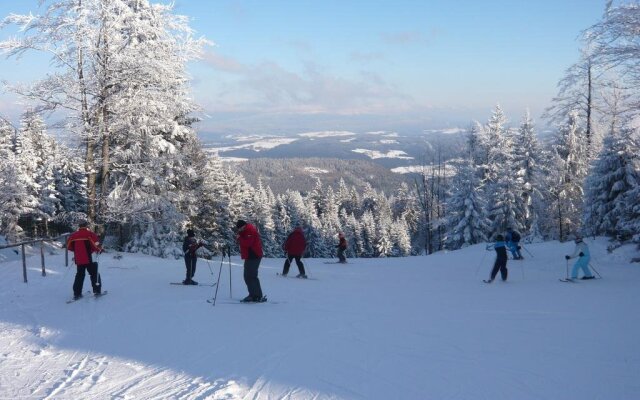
x,y
296,243
83,242
250,243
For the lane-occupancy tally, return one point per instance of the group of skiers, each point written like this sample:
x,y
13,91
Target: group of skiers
x,y
84,243
511,240
250,244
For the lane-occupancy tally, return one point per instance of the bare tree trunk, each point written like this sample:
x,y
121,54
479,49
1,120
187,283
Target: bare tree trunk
x,y
89,143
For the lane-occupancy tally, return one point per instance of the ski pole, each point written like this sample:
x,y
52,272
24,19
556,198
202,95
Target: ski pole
x,y
209,265
528,252
215,295
480,263
595,270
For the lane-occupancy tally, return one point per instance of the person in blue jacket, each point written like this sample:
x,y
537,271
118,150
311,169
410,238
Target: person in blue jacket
x,y
501,259
584,256
513,242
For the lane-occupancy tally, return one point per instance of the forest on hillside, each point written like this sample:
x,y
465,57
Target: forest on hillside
x,y
135,169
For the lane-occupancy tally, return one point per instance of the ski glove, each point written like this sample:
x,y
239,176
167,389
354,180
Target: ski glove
x,y
581,254
567,257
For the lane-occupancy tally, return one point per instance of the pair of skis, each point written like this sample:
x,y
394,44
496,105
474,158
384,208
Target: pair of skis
x,y
95,296
571,280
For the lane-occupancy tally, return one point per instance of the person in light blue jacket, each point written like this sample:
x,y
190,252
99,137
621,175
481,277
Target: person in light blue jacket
x,y
584,256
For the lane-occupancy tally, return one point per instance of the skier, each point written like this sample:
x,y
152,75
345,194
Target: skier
x,y
582,252
294,246
342,247
501,259
189,246
248,238
83,242
513,242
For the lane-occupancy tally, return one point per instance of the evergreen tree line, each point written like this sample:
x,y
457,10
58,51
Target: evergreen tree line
x,y
135,169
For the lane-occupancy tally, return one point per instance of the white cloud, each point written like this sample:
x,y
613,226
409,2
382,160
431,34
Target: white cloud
x,y
269,88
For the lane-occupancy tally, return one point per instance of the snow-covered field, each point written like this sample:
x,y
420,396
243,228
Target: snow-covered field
x,y
407,328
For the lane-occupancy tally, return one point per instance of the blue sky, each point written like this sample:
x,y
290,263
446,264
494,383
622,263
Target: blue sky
x,y
403,65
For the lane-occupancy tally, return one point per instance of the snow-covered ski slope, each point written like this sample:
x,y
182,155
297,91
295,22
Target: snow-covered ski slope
x,y
399,328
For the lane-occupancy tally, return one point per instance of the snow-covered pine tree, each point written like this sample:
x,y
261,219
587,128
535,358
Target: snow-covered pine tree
x,y
466,221
501,186
614,174
404,205
571,166
368,235
262,217
526,154
13,196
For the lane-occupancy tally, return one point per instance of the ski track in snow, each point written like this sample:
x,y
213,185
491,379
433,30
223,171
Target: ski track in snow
x,y
412,328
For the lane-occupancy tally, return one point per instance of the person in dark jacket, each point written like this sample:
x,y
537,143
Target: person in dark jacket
x,y
250,244
513,243
190,246
295,246
83,243
501,259
342,247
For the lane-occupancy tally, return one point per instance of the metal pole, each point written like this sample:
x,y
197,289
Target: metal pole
x,y
595,270
215,295
66,251
229,259
44,273
480,263
24,264
528,252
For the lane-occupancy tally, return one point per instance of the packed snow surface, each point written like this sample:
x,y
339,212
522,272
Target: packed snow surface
x,y
395,328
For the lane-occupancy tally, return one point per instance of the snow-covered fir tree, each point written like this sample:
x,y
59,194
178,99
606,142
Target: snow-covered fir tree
x,y
14,200
614,174
570,168
526,163
37,156
466,220
503,193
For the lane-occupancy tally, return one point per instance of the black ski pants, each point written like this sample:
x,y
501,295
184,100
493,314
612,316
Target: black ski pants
x,y
251,277
287,264
190,263
96,281
499,265
341,256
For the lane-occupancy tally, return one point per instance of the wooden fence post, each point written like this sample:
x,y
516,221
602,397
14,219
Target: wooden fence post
x,y
24,264
44,273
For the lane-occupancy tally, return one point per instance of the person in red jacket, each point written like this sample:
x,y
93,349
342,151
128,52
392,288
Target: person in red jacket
x,y
83,243
295,246
342,247
250,243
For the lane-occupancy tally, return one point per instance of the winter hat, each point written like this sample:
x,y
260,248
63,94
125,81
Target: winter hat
x,y
578,238
499,238
83,224
190,233
240,223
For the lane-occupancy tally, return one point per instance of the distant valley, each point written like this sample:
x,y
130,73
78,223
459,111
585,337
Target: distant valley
x,y
383,159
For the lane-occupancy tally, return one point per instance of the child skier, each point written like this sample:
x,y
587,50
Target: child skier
x,y
501,259
513,242
584,256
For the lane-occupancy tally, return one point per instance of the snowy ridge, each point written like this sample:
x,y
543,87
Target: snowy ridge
x,y
395,328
